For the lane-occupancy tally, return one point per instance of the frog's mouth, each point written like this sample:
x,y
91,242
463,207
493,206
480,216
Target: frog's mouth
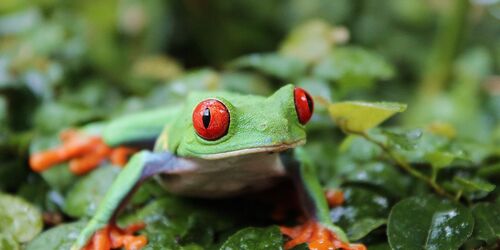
x,y
263,149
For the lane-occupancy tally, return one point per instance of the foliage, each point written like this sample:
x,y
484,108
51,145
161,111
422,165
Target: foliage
x,y
425,178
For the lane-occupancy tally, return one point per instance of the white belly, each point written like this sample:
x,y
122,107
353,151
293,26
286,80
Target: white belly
x,y
226,177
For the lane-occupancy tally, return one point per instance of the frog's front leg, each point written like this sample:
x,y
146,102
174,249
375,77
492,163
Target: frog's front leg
x,y
318,231
142,166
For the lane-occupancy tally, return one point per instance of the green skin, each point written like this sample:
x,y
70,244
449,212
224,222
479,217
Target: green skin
x,y
259,129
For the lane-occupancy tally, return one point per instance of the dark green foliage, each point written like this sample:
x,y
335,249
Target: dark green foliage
x,y
72,63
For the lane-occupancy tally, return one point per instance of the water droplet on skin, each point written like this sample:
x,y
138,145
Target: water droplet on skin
x,y
262,127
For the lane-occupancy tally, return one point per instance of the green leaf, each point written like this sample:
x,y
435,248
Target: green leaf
x,y
362,207
439,159
406,140
255,238
82,199
352,66
276,65
60,237
475,184
173,221
487,226
429,223
357,116
19,218
363,227
309,42
7,242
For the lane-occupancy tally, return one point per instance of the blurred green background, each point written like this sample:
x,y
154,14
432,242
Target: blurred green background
x,y
68,63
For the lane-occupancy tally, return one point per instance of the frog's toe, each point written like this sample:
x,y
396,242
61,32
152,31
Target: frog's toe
x,y
317,237
113,237
334,197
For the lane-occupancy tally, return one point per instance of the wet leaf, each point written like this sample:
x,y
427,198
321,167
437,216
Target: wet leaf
x,y
363,211
84,196
430,223
255,238
487,226
19,218
60,237
358,117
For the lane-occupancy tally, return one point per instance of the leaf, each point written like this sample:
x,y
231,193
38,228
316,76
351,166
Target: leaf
x,y
475,184
173,221
7,242
276,65
309,42
487,226
428,223
406,140
357,116
352,66
60,237
439,159
255,238
19,218
381,175
362,207
82,198
363,227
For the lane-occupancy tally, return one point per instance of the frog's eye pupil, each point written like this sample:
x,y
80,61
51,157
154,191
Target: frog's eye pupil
x,y
304,105
206,117
211,119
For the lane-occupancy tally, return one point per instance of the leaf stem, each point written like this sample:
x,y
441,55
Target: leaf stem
x,y
406,166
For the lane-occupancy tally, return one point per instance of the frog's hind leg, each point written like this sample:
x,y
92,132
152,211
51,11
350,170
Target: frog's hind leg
x,y
317,230
101,229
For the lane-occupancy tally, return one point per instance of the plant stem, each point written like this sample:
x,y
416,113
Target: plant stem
x,y
407,167
449,33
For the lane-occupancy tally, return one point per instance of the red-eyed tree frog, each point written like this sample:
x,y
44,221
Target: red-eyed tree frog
x,y
215,145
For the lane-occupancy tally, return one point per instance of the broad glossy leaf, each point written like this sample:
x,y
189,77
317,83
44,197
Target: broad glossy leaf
x,y
361,206
429,223
487,226
357,116
283,67
60,237
255,238
83,198
172,221
19,218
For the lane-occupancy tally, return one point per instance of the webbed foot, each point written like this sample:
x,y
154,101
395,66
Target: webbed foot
x,y
84,153
113,237
317,237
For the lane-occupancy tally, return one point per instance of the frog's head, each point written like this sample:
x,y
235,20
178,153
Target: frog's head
x,y
220,125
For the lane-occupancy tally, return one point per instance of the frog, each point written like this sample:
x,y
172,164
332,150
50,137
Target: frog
x,y
214,145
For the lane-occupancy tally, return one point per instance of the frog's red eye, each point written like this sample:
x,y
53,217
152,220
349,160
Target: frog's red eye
x,y
211,119
304,105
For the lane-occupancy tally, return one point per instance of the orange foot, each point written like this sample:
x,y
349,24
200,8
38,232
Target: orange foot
x,y
317,237
334,197
112,237
83,152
